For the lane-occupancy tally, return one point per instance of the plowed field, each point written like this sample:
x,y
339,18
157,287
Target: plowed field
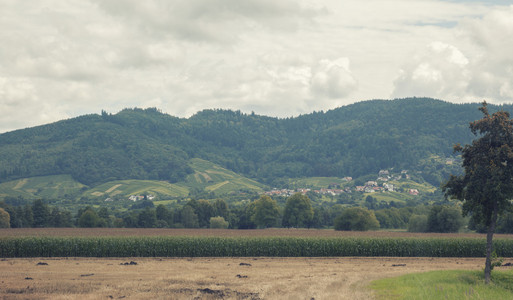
x,y
229,233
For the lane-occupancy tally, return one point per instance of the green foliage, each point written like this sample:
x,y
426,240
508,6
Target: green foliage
x,y
444,219
298,211
149,145
418,223
215,179
169,246
356,218
147,218
505,223
444,285
265,212
41,214
392,217
486,187
5,219
189,219
490,156
89,218
60,218
218,223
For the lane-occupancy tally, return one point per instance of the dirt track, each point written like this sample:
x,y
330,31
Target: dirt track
x,y
208,278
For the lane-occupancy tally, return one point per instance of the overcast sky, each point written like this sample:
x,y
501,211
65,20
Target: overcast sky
x,y
61,59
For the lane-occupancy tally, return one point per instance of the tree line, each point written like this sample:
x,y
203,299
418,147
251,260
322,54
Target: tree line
x,y
263,212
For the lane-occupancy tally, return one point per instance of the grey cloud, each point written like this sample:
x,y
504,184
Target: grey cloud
x,y
493,66
333,79
441,71
207,20
485,71
21,105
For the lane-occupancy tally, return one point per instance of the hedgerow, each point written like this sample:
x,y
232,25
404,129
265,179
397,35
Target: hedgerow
x,y
136,246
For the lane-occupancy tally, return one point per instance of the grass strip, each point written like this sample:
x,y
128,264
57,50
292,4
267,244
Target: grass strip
x,y
445,285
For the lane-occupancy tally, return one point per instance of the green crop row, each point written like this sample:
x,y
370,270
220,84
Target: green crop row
x,y
246,246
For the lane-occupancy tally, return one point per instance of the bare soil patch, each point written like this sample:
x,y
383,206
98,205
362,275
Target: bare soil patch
x,y
277,232
209,278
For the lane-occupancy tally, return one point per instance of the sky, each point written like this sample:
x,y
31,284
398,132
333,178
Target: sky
x,y
65,58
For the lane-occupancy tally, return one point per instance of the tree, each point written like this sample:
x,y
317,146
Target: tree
x,y
59,218
204,210
486,186
89,218
164,216
218,223
103,214
356,218
147,218
418,223
298,211
5,219
28,216
221,208
188,217
265,212
41,213
505,223
444,219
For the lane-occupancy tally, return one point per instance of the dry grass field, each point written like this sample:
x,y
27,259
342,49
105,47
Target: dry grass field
x,y
211,278
208,278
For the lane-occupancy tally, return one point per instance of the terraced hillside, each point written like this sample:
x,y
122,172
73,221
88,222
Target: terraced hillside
x,y
207,176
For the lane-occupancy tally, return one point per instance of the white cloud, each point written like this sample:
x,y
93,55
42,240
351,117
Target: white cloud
x,y
208,20
492,74
440,72
481,69
278,58
333,79
21,106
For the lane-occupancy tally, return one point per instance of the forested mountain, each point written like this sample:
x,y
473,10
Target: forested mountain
x,y
353,140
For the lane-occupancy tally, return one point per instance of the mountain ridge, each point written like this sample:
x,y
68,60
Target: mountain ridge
x,y
146,144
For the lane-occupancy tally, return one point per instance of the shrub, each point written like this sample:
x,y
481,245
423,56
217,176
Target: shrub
x,y
418,223
356,218
218,223
5,220
444,219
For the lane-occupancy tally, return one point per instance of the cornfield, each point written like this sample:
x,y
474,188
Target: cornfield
x,y
201,246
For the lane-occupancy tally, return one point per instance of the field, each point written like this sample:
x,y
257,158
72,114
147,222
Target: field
x,y
271,232
209,278
253,277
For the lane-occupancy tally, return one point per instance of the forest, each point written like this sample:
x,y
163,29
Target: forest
x,y
353,140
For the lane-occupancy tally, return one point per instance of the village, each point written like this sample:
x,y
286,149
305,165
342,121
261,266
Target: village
x,y
381,184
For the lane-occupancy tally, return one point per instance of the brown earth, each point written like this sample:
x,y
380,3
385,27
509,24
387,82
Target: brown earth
x,y
231,233
208,278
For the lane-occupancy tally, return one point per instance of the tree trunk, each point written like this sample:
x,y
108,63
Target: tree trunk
x,y
489,245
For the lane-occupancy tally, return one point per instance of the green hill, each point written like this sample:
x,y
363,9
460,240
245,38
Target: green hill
x,y
52,187
206,151
218,180
126,188
207,176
